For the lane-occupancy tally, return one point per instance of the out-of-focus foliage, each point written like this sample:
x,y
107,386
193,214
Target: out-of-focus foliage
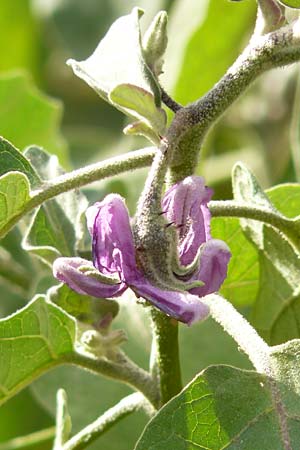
x,y
204,39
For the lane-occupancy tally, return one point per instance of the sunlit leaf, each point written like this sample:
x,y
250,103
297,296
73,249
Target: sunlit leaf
x,y
14,195
32,340
224,408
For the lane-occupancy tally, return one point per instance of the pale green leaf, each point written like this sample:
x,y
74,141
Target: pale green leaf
x,y
32,340
14,195
28,117
118,60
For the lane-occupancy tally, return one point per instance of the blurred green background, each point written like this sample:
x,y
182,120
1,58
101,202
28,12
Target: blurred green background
x,y
42,102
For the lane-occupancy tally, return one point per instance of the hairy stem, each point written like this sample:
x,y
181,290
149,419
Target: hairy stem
x,y
81,177
166,355
85,437
191,123
230,208
123,370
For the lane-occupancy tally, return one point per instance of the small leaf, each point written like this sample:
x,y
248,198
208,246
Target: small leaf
x,y
223,407
14,195
139,103
84,308
118,60
33,339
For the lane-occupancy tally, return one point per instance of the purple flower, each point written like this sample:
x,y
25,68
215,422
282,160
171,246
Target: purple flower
x,y
114,267
185,204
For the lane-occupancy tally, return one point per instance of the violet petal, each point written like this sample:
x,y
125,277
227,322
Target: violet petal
x,y
185,204
182,306
109,226
67,271
214,259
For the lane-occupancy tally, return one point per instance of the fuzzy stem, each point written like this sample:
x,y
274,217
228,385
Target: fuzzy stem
x,y
85,437
167,364
81,177
230,208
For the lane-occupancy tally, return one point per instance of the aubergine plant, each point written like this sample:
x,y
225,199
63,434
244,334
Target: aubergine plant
x,y
168,261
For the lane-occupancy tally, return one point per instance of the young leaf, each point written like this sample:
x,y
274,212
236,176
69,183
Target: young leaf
x,y
118,60
84,308
224,407
14,195
56,228
291,3
32,340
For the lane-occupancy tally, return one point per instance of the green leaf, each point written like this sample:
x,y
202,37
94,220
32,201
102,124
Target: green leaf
x,y
241,284
57,227
14,195
291,3
199,54
139,103
86,309
32,340
222,408
276,312
12,159
118,60
29,117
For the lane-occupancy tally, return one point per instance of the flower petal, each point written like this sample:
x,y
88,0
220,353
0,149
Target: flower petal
x,y
67,271
185,204
182,306
214,259
113,248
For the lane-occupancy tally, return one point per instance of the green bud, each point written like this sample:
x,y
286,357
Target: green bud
x,y
155,42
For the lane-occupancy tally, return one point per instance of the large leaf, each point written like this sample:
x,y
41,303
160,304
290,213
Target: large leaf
x,y
200,54
227,408
57,227
118,60
32,340
276,313
29,117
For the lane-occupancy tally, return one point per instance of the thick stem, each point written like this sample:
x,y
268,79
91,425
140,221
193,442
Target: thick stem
x,y
81,177
112,416
123,370
167,364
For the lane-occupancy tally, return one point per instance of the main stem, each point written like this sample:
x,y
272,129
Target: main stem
x,y
166,348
